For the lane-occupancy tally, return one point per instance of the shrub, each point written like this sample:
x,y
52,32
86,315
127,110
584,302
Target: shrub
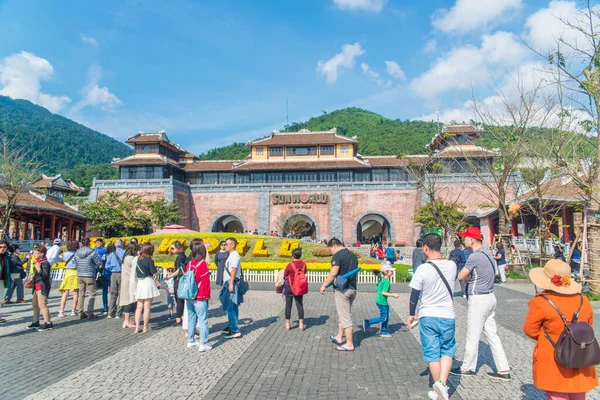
x,y
313,260
365,260
402,274
321,253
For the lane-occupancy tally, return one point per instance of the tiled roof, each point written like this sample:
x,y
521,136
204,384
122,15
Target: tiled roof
x,y
394,161
55,182
153,138
31,201
467,150
560,188
301,165
303,137
211,165
449,130
144,160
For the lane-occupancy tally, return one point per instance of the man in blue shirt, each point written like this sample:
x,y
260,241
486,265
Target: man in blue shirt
x,y
390,253
114,263
101,250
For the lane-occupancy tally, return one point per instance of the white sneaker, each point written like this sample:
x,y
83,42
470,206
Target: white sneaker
x,y
61,315
192,344
74,313
440,390
431,394
204,347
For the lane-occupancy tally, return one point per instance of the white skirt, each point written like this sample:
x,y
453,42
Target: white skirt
x,y
146,289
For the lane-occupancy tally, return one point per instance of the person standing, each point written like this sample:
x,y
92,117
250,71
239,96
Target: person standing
x,y
390,253
480,270
146,288
88,262
179,270
198,307
114,267
220,260
418,257
17,273
5,280
70,282
230,295
458,256
53,253
41,290
126,295
292,270
104,273
500,258
544,323
575,262
342,262
432,286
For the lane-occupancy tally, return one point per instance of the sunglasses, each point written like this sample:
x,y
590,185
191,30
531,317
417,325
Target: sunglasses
x,y
3,247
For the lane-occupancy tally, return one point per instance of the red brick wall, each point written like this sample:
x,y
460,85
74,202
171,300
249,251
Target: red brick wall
x,y
399,206
208,206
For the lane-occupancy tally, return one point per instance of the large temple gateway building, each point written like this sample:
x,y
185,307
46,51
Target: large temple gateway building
x,y
319,176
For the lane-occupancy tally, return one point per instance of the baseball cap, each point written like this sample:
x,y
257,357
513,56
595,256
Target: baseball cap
x,y
386,266
57,241
473,232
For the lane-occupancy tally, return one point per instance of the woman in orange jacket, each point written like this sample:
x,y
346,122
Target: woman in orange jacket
x,y
560,383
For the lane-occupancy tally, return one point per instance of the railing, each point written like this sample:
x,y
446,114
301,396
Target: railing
x,y
532,245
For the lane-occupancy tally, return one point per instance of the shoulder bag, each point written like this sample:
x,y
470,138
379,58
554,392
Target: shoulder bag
x,y
443,279
576,346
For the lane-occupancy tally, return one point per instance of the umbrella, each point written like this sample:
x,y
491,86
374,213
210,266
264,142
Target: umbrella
x,y
173,229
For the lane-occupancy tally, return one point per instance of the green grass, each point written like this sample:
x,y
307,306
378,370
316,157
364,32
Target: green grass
x,y
402,274
591,296
516,275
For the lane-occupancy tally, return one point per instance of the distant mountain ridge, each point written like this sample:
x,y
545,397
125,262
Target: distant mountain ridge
x,y
376,134
61,143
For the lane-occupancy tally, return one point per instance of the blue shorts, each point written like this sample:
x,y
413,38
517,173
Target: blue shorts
x,y
170,301
437,338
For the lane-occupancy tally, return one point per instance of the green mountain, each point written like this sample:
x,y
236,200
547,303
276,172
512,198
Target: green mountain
x,y
377,135
59,143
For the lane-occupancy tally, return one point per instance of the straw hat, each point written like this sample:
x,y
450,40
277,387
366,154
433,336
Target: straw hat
x,y
555,276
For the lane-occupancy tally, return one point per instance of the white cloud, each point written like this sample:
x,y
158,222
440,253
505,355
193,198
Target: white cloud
x,y
96,96
467,66
469,15
394,70
430,46
374,76
20,78
344,60
90,40
367,5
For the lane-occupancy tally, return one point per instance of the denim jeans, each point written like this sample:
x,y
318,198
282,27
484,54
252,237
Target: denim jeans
x,y
197,309
384,318
18,283
105,286
232,315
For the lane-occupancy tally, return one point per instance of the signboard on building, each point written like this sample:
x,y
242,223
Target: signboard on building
x,y
302,198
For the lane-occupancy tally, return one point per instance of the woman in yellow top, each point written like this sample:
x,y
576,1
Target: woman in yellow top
x,y
70,282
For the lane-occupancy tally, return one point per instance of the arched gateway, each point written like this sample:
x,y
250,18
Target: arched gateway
x,y
373,224
303,221
228,222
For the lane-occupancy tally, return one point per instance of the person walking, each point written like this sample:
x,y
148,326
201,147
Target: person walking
x,y
198,308
17,273
126,296
342,262
147,286
70,282
480,270
114,267
296,287
418,257
544,324
432,286
390,253
458,256
381,300
88,262
41,290
230,295
500,258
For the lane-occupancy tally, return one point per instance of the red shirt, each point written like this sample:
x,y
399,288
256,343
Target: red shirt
x,y
202,275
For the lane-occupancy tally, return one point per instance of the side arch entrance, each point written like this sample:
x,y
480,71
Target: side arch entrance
x,y
301,225
228,222
373,225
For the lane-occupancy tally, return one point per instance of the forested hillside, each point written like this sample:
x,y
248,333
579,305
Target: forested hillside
x,y
377,135
59,143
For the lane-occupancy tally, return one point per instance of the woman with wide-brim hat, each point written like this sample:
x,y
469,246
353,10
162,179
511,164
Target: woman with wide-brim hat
x,y
558,382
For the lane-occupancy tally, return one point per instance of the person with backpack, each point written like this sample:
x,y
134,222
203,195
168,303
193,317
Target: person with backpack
x,y
88,262
295,286
113,268
198,294
70,283
381,299
390,253
432,288
458,256
41,290
545,324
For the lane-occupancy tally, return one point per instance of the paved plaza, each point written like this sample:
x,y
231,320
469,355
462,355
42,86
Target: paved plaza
x,y
100,360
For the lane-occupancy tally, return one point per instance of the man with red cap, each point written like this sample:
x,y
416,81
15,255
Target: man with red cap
x,y
480,270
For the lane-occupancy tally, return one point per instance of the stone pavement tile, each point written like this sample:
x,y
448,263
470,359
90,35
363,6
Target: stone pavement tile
x,y
305,364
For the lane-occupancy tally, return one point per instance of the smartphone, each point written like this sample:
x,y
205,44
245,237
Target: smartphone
x,y
414,324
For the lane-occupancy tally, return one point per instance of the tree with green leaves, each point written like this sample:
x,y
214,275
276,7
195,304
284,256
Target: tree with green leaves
x,y
162,213
439,214
117,213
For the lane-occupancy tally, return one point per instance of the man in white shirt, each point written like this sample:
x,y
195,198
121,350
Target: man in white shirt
x,y
53,252
432,285
232,271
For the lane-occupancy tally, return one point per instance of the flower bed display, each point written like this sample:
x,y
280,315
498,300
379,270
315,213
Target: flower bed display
x,y
287,246
259,249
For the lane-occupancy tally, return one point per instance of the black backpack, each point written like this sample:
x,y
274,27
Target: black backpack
x,y
577,346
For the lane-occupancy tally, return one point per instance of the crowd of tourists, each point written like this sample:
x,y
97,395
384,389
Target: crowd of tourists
x,y
559,319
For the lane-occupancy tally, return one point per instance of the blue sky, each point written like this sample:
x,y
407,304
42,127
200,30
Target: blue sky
x,y
214,72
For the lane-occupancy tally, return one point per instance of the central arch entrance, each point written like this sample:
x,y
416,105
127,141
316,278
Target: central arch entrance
x,y
228,222
300,225
373,226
